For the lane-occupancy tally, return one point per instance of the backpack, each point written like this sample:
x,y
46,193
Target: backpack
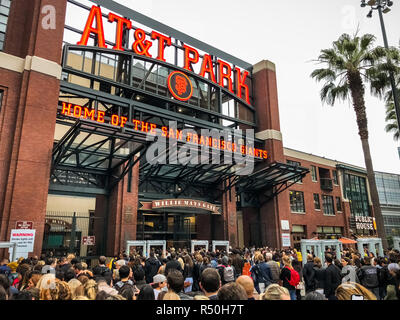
x,y
229,275
294,278
246,269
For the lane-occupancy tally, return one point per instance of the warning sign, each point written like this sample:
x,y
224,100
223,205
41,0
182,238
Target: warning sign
x,y
25,240
88,240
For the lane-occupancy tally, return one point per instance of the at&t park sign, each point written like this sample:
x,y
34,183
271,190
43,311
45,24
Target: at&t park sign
x,y
223,75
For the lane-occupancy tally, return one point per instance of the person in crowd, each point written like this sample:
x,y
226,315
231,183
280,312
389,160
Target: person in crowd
x,y
309,274
173,264
170,295
101,269
188,273
393,288
248,284
152,265
320,275
333,278
104,284
314,295
125,274
288,277
146,293
210,282
368,276
231,291
273,266
261,273
175,283
353,291
64,265
50,265
198,260
76,288
296,263
161,270
159,284
275,292
237,263
139,277
6,284
348,272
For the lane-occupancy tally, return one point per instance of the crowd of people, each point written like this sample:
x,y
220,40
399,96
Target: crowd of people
x,y
248,274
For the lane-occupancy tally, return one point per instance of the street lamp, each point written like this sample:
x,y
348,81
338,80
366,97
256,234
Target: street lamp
x,y
383,6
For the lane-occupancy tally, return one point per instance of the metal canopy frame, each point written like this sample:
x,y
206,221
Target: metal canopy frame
x,y
270,181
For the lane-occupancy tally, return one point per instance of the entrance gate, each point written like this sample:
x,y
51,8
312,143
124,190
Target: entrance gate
x,y
64,232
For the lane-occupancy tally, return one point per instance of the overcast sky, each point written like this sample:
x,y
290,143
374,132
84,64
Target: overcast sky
x,y
291,33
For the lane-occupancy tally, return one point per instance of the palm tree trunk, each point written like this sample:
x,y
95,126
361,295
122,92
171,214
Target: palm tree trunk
x,y
357,93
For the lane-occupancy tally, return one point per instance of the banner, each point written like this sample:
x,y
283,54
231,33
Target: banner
x,y
179,203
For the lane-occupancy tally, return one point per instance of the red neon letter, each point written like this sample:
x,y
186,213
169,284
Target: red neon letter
x,y
99,30
225,75
162,40
241,84
207,67
120,28
188,59
66,109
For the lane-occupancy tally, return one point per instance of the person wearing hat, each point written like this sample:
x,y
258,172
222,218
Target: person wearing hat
x,y
159,284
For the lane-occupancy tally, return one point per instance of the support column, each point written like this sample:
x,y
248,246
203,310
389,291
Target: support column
x,y
122,214
230,217
268,129
30,78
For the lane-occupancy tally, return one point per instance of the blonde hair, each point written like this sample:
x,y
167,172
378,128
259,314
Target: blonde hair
x,y
180,260
81,298
274,292
200,297
91,289
73,285
171,296
346,290
286,261
44,284
318,262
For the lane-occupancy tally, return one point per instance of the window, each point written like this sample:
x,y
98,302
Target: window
x,y
297,201
355,190
296,164
335,177
314,173
4,12
338,204
327,202
317,204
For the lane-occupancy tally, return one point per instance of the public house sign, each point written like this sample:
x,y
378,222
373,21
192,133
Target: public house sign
x,y
224,75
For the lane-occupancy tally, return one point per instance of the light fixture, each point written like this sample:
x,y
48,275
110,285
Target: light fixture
x,y
138,98
179,109
369,15
371,2
386,10
390,3
363,4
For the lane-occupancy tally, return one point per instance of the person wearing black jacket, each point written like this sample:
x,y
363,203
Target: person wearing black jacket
x,y
333,278
173,264
369,277
309,274
151,267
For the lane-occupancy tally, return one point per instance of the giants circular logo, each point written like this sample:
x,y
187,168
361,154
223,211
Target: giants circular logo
x,y
180,86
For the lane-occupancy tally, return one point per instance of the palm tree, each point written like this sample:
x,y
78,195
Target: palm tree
x,y
391,118
348,64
